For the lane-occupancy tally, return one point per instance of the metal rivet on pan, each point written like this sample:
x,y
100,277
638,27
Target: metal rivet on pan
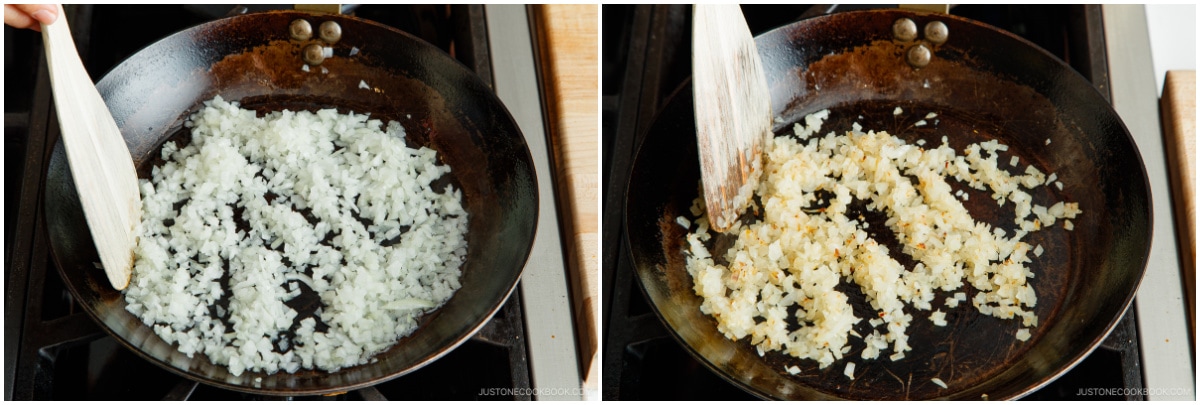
x,y
936,32
919,56
904,29
314,54
331,32
301,30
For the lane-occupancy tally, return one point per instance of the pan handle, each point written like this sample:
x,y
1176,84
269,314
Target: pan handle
x,y
320,8
936,8
218,11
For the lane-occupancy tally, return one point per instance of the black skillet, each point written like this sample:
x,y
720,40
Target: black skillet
x,y
252,59
984,84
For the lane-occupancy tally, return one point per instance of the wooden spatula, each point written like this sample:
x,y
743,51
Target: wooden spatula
x,y
733,110
99,160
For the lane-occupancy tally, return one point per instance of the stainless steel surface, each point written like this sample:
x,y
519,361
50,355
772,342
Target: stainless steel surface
x,y
331,32
1167,360
314,54
554,363
937,32
919,56
905,29
300,29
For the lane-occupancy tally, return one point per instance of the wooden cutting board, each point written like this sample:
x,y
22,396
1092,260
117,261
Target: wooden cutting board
x,y
1179,130
568,50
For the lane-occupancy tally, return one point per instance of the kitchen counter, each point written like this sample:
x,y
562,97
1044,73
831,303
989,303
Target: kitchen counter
x,y
1167,359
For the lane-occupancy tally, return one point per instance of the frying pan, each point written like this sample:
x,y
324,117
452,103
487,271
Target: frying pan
x,y
251,58
984,84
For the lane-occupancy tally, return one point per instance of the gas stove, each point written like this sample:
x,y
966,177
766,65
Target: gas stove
x,y
55,351
646,57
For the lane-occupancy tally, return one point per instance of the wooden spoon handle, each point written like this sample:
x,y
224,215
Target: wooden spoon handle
x,y
733,110
99,159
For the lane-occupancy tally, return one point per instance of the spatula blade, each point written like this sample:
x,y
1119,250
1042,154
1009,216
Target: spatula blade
x,y
99,160
733,110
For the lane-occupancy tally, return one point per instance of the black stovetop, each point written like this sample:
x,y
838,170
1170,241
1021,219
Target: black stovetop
x,y
646,57
55,351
